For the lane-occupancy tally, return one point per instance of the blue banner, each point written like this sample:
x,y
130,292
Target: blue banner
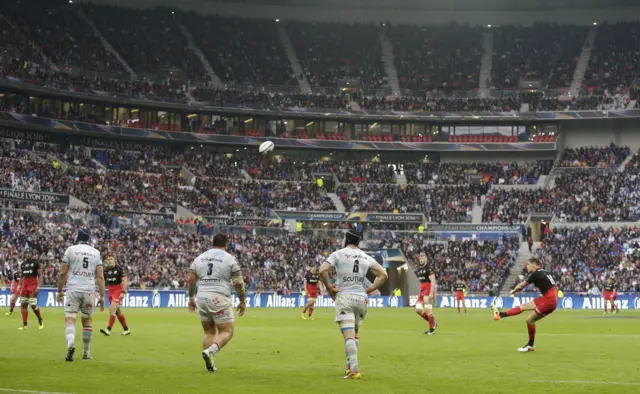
x,y
569,301
179,299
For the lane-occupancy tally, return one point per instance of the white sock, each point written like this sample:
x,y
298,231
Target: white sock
x,y
70,334
213,349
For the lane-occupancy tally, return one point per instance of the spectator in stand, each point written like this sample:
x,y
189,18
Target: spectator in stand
x,y
440,59
582,259
610,156
543,52
458,173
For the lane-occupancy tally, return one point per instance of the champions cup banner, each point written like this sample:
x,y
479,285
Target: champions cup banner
x,y
179,299
18,195
475,228
322,216
569,301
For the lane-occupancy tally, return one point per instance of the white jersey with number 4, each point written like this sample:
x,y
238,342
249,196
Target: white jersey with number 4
x,y
214,270
83,260
352,265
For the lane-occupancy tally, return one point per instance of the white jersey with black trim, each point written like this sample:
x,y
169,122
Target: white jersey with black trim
x,y
214,270
351,265
83,261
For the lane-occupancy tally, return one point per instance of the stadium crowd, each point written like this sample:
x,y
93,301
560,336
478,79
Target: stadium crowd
x,y
459,173
582,259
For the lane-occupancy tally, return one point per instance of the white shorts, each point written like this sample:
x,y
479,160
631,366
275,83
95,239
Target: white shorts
x,y
351,307
215,308
80,302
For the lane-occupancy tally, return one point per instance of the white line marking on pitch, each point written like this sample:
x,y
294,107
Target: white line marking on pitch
x,y
587,382
29,391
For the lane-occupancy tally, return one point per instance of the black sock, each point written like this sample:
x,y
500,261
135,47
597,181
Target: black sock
x,y
503,314
530,343
126,328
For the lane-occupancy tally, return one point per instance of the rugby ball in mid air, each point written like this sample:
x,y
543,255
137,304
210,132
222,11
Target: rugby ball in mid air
x,y
266,147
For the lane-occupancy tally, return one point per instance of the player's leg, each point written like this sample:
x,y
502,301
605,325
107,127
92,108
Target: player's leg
x,y
12,305
515,311
531,329
113,309
311,303
33,303
24,306
70,333
209,340
464,305
614,307
429,316
123,321
87,309
606,302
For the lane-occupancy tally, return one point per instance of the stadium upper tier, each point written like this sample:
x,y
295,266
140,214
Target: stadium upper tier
x,y
235,61
586,184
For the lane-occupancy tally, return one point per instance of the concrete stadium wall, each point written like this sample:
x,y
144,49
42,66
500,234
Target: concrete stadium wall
x,y
420,13
584,133
511,157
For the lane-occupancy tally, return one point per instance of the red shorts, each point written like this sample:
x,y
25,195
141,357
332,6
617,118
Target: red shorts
x,y
548,303
114,294
425,290
29,287
14,288
610,295
312,291
459,296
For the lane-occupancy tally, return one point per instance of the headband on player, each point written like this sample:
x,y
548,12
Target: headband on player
x,y
352,237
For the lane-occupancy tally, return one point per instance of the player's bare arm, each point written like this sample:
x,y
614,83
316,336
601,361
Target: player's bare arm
x,y
238,284
101,290
519,288
324,277
381,277
124,287
193,280
432,292
62,280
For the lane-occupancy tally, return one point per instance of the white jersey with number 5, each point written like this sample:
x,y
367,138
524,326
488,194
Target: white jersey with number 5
x,y
83,260
352,265
214,270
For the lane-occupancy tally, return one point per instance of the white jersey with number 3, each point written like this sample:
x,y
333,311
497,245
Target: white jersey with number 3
x,y
83,260
352,265
214,270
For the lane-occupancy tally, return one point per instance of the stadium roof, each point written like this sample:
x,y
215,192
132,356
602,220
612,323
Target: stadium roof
x,y
433,5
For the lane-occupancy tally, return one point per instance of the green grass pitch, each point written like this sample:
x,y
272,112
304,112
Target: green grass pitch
x,y
274,351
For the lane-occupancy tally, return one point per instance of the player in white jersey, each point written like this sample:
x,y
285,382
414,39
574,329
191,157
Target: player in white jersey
x,y
351,265
212,273
81,269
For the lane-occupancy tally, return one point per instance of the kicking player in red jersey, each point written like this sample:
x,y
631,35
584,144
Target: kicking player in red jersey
x,y
539,307
426,298
29,288
311,280
459,288
14,277
610,295
116,280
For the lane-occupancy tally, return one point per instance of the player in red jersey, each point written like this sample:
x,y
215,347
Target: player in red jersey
x,y
13,276
116,280
29,288
426,298
460,288
610,295
311,280
539,307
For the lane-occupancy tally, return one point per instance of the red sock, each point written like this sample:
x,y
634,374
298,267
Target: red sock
x,y
25,315
613,307
13,305
310,311
425,316
532,333
458,308
432,321
112,319
513,311
37,312
123,321
606,305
